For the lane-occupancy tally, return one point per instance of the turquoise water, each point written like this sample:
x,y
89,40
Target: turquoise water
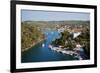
x,y
39,53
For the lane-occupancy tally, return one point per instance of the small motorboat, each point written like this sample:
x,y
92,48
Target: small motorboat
x,y
43,45
50,46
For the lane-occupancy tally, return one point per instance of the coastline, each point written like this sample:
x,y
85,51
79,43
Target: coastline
x,y
23,50
69,52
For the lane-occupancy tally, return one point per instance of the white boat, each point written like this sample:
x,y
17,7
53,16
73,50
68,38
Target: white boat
x,y
50,46
43,45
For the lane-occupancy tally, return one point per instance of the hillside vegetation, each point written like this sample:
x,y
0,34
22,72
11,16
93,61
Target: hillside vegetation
x,y
30,35
66,41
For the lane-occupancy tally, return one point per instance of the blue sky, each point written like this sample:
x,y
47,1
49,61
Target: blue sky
x,y
52,16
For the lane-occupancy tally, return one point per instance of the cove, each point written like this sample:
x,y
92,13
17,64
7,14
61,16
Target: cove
x,y
42,53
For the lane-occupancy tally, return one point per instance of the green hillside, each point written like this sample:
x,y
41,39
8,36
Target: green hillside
x,y
30,35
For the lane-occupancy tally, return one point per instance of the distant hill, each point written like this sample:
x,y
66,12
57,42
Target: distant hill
x,y
58,22
53,24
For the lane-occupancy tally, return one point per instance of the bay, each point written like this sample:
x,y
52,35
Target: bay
x,y
42,53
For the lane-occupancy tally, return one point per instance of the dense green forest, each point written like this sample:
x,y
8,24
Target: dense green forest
x,y
84,40
30,35
66,40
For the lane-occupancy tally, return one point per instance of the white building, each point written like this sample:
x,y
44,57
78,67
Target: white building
x,y
76,34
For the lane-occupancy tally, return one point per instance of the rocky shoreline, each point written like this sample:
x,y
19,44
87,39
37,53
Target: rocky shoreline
x,y
22,50
68,52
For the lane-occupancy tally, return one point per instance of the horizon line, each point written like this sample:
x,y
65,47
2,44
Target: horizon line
x,y
54,20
